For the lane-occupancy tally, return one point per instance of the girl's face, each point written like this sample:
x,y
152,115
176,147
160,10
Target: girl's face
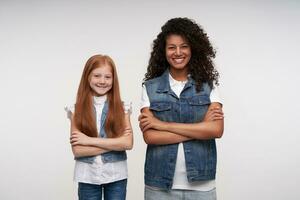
x,y
101,80
178,52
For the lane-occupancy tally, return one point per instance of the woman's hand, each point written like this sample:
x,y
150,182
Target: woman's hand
x,y
214,114
79,138
148,121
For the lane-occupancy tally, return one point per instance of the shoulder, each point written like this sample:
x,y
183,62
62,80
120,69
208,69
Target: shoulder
x,y
155,83
69,110
215,95
206,87
152,81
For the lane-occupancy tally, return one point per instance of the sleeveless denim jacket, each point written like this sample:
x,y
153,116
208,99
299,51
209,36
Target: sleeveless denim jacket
x,y
190,107
111,156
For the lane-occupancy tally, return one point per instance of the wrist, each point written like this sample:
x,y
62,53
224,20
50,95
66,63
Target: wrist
x,y
92,141
164,126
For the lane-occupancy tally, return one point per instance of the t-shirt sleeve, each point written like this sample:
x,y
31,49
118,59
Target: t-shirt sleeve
x,y
145,99
215,95
127,107
69,110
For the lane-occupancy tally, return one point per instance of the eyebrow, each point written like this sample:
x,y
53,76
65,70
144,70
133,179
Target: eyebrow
x,y
185,43
95,73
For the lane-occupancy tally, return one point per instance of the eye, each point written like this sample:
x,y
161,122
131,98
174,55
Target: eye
x,y
108,76
170,47
185,46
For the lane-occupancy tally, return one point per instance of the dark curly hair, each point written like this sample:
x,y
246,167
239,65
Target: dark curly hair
x,y
200,66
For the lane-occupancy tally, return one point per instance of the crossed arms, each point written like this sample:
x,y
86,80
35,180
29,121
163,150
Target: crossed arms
x,y
154,132
83,145
160,132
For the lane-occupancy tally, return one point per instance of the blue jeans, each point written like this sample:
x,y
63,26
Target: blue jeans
x,y
112,191
159,194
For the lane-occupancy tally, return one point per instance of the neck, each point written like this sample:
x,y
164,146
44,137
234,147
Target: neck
x,y
98,99
179,74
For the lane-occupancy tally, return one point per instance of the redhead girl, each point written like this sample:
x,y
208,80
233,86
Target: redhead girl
x,y
100,133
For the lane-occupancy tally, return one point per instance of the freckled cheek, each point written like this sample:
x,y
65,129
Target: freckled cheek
x,y
110,85
92,82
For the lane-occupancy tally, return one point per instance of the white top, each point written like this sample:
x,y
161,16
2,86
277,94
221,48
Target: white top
x,y
99,172
180,180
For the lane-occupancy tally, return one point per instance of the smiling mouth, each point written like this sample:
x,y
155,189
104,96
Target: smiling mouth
x,y
178,60
101,87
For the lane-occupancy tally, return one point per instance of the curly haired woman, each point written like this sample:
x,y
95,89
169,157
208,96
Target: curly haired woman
x,y
181,114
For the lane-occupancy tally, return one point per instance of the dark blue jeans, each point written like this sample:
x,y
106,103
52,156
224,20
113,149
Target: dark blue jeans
x,y
112,191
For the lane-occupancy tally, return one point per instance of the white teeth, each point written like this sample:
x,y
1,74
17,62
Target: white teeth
x,y
178,60
99,86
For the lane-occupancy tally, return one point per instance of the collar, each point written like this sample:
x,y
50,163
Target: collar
x,y
167,80
174,82
99,100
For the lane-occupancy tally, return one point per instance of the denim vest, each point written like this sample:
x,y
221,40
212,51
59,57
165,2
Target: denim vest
x,y
111,156
190,107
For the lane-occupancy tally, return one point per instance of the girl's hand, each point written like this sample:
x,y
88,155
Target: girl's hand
x,y
127,131
214,114
148,121
79,138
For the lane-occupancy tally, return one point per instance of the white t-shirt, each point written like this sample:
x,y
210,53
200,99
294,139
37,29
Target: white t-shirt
x,y
98,172
180,180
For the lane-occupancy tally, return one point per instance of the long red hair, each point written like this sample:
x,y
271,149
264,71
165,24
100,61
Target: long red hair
x,y
84,116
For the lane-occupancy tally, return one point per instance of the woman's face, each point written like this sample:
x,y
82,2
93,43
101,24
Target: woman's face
x,y
178,52
101,80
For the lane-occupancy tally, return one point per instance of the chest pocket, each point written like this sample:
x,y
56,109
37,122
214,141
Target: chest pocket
x,y
161,110
198,106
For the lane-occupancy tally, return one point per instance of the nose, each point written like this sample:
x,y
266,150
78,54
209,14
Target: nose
x,y
102,80
178,51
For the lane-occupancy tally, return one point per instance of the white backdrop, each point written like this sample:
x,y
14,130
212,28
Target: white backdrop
x,y
45,44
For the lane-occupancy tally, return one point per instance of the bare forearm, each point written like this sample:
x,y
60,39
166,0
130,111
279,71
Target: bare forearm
x,y
122,143
201,130
81,151
153,136
211,127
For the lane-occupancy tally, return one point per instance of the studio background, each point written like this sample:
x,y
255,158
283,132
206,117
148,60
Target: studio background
x,y
45,44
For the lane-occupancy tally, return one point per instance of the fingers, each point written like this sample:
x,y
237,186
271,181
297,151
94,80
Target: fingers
x,y
143,115
127,131
143,124
144,120
215,109
213,114
140,117
216,113
146,127
148,121
217,118
74,140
